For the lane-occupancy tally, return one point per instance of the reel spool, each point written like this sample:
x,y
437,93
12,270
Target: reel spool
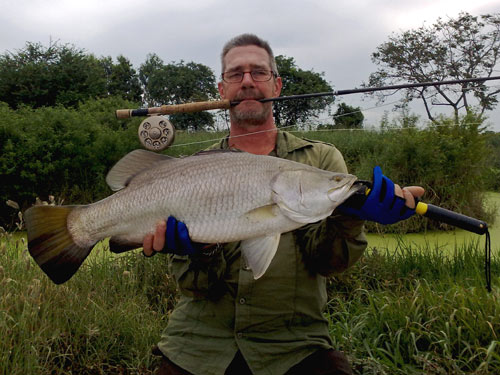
x,y
156,133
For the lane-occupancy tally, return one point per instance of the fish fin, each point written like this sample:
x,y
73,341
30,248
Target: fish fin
x,y
50,243
259,252
262,213
300,217
130,165
119,245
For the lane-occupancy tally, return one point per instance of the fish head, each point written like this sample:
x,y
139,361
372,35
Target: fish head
x,y
341,187
309,195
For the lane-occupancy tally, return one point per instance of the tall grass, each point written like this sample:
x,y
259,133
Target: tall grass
x,y
417,310
410,311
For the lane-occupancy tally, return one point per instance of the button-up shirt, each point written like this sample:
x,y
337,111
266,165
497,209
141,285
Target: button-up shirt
x,y
277,320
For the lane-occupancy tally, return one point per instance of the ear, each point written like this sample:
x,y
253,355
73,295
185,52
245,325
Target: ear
x,y
220,86
278,84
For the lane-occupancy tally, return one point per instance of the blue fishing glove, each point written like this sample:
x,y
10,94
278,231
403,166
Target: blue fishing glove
x,y
177,239
381,204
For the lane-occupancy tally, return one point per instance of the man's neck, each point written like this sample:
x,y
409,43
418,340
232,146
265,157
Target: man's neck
x,y
259,140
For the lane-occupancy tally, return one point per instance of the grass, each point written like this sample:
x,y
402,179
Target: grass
x,y
418,311
411,310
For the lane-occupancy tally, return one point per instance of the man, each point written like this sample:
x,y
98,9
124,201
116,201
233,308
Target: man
x,y
228,323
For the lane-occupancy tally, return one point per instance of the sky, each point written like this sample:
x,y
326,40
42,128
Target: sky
x,y
334,37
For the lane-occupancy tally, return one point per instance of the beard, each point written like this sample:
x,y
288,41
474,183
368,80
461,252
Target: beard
x,y
250,117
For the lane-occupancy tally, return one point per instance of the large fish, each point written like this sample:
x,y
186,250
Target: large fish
x,y
221,196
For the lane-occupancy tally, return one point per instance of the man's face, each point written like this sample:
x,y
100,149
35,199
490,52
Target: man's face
x,y
249,111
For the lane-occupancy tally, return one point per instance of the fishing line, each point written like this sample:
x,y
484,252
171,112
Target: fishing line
x,y
487,260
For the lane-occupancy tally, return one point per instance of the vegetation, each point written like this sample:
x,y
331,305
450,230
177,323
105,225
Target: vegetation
x,y
177,84
298,81
417,310
63,75
348,117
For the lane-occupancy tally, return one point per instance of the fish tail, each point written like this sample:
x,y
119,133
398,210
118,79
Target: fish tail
x,y
50,242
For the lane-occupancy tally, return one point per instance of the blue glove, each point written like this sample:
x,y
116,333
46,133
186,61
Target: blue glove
x,y
177,239
381,204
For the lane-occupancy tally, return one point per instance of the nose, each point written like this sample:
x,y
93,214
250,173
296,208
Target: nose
x,y
247,80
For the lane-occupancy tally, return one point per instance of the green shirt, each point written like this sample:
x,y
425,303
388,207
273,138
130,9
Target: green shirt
x,y
277,320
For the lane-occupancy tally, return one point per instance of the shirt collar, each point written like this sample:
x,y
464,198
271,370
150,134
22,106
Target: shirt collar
x,y
285,143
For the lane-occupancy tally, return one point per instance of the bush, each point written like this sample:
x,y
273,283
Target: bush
x,y
60,151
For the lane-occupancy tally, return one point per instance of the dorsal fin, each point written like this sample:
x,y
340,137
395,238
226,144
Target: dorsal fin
x,y
130,165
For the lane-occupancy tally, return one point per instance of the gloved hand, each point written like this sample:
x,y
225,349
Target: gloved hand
x,y
177,239
381,204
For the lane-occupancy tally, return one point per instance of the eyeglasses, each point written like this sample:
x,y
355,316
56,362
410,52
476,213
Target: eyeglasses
x,y
257,76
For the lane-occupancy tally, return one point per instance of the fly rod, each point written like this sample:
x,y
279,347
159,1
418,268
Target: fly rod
x,y
226,104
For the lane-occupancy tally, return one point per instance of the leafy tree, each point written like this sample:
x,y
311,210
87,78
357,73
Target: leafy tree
x,y
122,79
297,81
178,83
46,76
348,117
465,47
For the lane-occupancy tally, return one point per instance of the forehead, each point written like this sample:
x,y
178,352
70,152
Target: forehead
x,y
247,56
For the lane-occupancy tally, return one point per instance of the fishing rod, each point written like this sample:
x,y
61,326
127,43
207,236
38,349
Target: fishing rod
x,y
226,104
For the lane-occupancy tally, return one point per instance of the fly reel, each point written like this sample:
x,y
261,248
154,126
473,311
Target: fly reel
x,y
156,133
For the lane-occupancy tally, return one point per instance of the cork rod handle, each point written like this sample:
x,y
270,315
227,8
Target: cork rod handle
x,y
175,108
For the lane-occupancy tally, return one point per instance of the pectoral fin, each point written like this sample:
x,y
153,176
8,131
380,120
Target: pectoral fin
x,y
119,245
259,252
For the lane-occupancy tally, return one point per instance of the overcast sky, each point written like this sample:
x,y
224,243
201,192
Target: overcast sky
x,y
336,37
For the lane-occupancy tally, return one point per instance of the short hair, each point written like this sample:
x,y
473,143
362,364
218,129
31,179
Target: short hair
x,y
248,40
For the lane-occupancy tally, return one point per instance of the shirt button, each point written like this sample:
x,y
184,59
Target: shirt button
x,y
242,301
239,335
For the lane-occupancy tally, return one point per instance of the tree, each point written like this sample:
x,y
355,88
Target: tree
x,y
347,117
122,79
178,83
465,47
46,76
297,81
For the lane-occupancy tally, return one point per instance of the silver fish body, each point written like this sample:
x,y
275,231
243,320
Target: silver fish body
x,y
220,196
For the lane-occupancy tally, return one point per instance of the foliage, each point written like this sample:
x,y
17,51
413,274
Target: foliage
x,y
122,79
348,117
493,170
46,76
297,81
64,75
416,310
61,151
178,83
465,47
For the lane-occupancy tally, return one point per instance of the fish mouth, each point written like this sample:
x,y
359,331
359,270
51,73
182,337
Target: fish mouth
x,y
340,193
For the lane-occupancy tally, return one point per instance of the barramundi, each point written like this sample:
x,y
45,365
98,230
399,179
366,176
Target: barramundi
x,y
221,196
